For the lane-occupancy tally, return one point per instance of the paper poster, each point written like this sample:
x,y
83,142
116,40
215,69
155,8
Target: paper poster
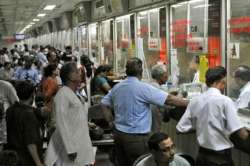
x,y
153,44
234,50
196,45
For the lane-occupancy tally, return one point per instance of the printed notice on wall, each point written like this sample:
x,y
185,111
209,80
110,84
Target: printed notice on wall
x,y
153,44
234,50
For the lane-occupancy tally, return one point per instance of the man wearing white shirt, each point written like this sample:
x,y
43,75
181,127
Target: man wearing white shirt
x,y
70,144
242,78
214,118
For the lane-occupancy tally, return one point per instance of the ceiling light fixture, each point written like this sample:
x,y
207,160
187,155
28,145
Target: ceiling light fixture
x,y
25,28
49,7
32,23
22,31
41,15
28,26
36,19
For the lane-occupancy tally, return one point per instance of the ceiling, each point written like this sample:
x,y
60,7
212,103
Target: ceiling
x,y
16,14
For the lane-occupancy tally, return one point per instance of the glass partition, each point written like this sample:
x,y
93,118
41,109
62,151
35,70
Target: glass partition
x,y
195,39
238,46
83,40
75,37
151,46
59,39
124,49
64,38
107,54
93,43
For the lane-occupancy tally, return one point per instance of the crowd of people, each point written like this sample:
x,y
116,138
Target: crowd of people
x,y
45,94
35,85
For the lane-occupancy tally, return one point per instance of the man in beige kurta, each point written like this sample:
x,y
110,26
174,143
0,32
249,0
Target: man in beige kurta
x,y
72,133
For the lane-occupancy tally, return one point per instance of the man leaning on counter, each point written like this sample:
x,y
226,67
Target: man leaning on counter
x,y
242,79
214,118
131,101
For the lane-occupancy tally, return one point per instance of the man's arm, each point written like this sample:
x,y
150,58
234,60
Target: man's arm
x,y
107,114
106,87
187,132
176,101
243,100
185,124
242,133
241,140
234,126
33,152
106,104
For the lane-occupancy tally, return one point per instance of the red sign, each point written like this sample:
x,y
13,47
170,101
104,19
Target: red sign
x,y
179,33
240,25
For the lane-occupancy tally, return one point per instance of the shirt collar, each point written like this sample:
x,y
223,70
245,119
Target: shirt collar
x,y
131,78
214,90
246,86
156,84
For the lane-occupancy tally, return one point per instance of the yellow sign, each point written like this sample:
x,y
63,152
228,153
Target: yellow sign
x,y
203,67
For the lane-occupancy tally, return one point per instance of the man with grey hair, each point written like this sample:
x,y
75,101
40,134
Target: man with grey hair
x,y
160,75
242,79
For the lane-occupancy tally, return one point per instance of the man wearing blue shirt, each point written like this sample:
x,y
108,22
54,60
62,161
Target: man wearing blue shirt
x,y
131,101
27,72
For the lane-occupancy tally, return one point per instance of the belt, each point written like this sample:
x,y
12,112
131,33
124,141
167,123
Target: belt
x,y
210,151
139,134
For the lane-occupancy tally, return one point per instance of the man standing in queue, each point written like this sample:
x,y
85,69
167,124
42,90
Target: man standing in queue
x,y
131,101
242,79
70,143
214,118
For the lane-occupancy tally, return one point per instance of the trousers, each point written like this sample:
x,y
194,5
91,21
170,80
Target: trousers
x,y
129,147
207,157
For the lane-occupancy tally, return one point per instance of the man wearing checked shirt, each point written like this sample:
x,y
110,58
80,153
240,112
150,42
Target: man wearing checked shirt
x,y
131,101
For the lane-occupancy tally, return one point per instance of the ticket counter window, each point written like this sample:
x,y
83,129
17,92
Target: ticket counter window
x,y
238,46
64,36
107,54
124,47
151,38
54,38
75,37
68,40
83,40
194,33
93,44
59,39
